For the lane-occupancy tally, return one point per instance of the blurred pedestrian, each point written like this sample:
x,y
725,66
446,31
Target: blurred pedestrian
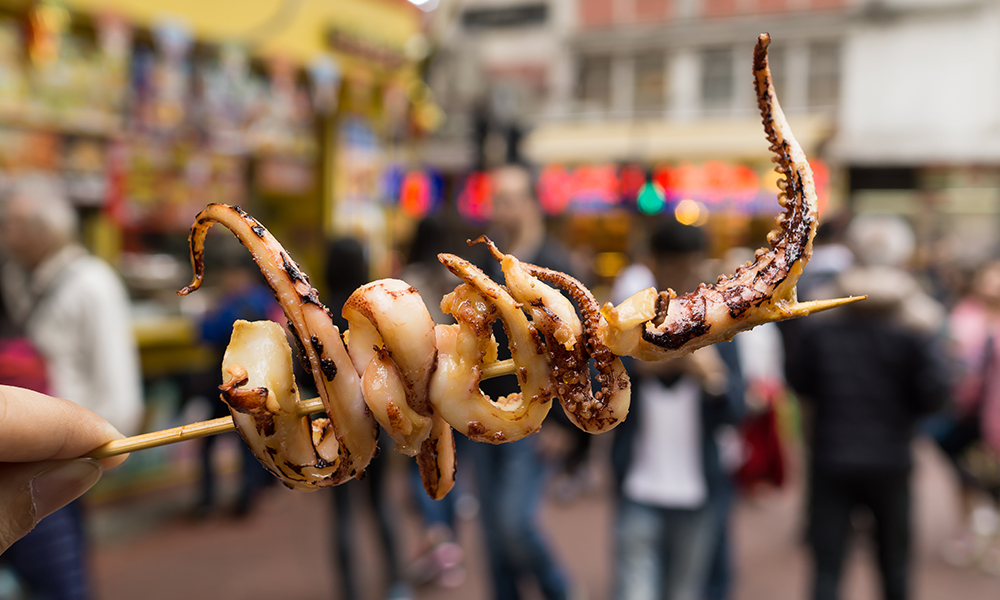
x,y
440,559
75,311
423,269
973,418
244,295
831,256
347,270
673,493
510,478
868,371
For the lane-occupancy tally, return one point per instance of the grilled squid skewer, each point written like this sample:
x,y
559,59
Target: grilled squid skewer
x,y
420,380
657,326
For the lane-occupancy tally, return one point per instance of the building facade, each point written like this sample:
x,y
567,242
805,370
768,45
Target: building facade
x,y
896,101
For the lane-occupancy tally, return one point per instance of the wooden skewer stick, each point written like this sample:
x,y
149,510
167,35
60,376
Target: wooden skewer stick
x,y
224,424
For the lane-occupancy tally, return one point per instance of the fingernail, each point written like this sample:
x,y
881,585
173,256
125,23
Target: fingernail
x,y
63,483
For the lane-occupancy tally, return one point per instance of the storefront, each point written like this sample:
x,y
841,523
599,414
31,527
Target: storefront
x,y
146,112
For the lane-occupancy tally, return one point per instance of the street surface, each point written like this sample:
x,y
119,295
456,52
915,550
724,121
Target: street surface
x,y
149,547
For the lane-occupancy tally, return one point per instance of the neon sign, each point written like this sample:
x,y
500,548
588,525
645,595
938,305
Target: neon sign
x,y
728,186
475,201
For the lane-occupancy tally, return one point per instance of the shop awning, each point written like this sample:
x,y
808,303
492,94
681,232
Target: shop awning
x,y
655,141
298,30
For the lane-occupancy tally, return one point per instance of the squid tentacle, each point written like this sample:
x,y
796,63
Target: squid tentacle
x,y
656,326
593,412
321,349
462,348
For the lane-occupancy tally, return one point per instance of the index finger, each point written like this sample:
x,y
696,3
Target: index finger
x,y
37,427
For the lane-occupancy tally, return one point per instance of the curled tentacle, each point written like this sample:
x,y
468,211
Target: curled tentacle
x,y
355,432
392,343
571,344
462,349
759,292
261,393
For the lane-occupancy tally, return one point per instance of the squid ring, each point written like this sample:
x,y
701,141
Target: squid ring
x,y
462,349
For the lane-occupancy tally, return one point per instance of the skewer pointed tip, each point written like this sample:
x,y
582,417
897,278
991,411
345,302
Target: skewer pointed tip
x,y
803,309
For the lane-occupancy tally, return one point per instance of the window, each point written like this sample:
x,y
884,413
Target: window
x,y
594,83
717,79
650,82
824,74
647,11
596,13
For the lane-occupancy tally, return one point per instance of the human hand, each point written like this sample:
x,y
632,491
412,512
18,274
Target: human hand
x,y
41,440
708,367
703,364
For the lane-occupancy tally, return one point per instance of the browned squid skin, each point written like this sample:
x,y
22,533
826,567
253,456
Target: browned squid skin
x,y
437,461
321,348
760,291
593,412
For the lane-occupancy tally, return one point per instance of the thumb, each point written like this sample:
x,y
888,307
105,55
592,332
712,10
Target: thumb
x,y
32,491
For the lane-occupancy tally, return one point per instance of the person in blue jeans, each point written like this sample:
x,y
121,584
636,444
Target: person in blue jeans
x,y
510,477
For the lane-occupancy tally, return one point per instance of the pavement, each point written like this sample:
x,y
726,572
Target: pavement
x,y
148,546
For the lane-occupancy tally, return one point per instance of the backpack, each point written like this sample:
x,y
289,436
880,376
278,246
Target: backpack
x,y
21,364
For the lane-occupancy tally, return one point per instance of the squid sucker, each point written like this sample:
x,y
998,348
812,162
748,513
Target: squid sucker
x,y
396,368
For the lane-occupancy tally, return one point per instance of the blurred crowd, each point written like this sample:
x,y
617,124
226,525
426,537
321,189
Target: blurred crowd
x,y
918,357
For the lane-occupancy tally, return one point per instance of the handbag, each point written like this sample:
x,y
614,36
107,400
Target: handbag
x,y
764,454
21,364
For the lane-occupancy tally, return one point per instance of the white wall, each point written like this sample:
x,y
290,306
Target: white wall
x,y
922,85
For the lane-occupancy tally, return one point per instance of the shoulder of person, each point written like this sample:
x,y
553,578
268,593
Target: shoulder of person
x,y
91,275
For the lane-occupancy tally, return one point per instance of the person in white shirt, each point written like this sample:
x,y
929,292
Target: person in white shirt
x,y
75,311
71,304
664,455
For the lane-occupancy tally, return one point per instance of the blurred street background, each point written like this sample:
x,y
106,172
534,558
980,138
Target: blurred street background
x,y
148,548
369,135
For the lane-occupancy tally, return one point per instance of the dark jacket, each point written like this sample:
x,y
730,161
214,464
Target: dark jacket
x,y
870,370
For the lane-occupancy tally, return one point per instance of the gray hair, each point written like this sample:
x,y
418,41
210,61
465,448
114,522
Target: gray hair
x,y
881,240
49,207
